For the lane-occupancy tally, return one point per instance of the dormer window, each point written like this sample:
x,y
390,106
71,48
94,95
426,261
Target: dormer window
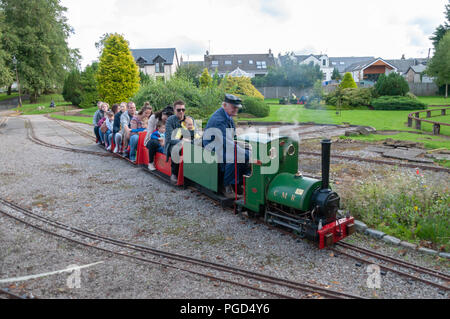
x,y
261,65
324,62
159,64
250,62
227,62
159,67
214,63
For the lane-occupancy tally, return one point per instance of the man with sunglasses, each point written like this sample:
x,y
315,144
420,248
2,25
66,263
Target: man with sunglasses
x,y
172,124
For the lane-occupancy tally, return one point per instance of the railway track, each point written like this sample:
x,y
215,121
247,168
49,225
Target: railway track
x,y
411,271
92,240
346,247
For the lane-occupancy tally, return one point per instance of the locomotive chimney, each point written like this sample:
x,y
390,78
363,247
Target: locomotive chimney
x,y
326,146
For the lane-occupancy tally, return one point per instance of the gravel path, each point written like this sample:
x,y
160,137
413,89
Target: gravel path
x,y
111,197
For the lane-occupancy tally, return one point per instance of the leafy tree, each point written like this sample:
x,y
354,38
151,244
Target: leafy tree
x,y
216,79
205,79
6,77
191,72
348,82
143,77
439,65
36,33
89,95
72,89
118,74
441,29
317,91
393,84
291,73
240,86
336,75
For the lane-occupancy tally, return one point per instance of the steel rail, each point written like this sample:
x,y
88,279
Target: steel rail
x,y
396,261
146,260
401,273
158,253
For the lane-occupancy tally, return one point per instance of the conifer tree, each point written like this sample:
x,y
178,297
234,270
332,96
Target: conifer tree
x,y
118,74
439,66
205,79
348,81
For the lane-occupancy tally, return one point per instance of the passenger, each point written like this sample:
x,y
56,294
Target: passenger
x,y
172,124
147,104
109,125
97,117
222,119
155,118
156,143
136,126
117,136
103,128
125,121
187,127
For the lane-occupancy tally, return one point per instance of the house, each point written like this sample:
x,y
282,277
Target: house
x,y
415,74
326,64
157,63
251,64
342,63
370,70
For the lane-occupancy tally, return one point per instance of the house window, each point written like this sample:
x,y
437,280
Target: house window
x,y
159,67
341,63
227,62
239,61
261,65
250,62
334,63
324,62
215,63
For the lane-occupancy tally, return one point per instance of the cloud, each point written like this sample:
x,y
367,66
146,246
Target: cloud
x,y
427,25
275,9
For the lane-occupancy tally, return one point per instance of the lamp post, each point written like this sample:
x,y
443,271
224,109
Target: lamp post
x,y
17,79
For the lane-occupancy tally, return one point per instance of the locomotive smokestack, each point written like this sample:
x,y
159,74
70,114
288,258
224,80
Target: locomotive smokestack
x,y
326,147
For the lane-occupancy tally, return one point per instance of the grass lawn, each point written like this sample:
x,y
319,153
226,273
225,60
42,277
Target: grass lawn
x,y
89,111
381,120
4,96
44,103
79,119
434,100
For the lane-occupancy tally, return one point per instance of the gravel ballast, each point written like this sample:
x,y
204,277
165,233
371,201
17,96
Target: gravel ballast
x,y
111,197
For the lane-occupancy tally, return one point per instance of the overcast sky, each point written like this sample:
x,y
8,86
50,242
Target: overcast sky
x,y
382,28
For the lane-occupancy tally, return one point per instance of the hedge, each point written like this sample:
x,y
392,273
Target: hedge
x,y
255,106
351,97
397,103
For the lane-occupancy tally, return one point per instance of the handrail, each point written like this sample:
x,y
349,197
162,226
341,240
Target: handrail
x,y
436,125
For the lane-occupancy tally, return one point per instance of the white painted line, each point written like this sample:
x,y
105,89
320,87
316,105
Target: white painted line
x,y
70,269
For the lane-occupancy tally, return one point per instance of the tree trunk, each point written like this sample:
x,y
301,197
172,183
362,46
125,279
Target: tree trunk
x,y
9,90
446,90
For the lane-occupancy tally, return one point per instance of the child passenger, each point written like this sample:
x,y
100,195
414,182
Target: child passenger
x,y
109,124
187,125
156,144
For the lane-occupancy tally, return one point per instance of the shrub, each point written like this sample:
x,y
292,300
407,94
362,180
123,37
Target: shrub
x,y
407,206
205,79
240,86
89,96
397,103
255,106
200,103
348,82
394,84
351,97
72,88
